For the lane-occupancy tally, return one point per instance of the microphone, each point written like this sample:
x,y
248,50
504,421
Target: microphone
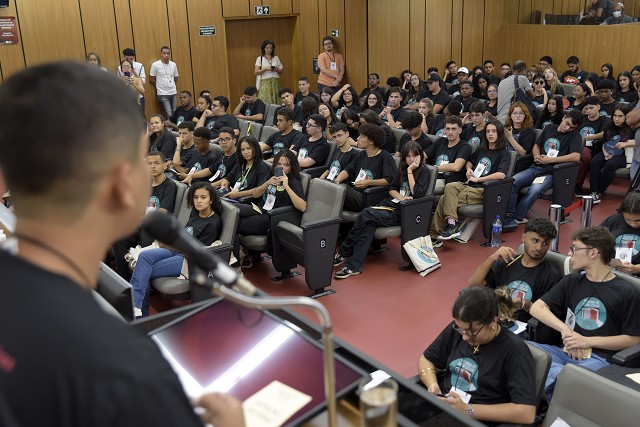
x,y
166,229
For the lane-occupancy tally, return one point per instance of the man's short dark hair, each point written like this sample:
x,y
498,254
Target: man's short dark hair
x,y
303,79
156,153
284,112
376,75
541,226
223,100
327,38
606,84
432,70
592,100
373,132
449,63
411,120
454,107
488,61
547,59
453,120
319,120
505,63
250,90
187,124
465,83
227,129
393,81
128,52
395,89
599,238
520,66
478,107
187,92
202,132
337,127
284,90
94,95
165,47
576,117
573,60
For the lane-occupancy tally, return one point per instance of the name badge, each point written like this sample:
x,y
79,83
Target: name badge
x,y
334,66
237,186
333,173
443,162
570,320
624,254
362,175
479,170
193,170
268,204
552,151
464,396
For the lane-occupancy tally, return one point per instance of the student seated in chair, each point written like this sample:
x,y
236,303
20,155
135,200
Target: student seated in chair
x,y
625,227
372,167
285,138
449,154
344,153
557,144
250,171
223,165
596,312
205,225
410,182
312,149
527,276
203,158
489,162
488,371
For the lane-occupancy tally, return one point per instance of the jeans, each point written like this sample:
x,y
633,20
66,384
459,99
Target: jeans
x,y
152,264
559,358
356,245
522,179
168,102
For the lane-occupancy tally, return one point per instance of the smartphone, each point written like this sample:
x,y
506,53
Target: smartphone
x,y
278,171
127,74
441,395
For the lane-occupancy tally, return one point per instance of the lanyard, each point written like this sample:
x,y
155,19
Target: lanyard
x,y
244,176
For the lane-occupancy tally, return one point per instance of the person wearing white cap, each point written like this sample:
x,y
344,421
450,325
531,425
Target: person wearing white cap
x,y
463,76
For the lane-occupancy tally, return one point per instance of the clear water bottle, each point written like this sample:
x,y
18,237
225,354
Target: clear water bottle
x,y
496,232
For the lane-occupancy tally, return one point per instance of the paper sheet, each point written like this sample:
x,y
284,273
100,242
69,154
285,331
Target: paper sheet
x,y
273,405
634,377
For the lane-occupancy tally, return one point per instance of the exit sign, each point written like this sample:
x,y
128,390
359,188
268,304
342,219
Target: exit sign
x,y
262,10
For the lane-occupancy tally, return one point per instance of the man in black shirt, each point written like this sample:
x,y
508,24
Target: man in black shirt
x,y
203,158
411,123
312,149
465,97
488,70
223,165
250,107
184,113
374,86
287,98
574,74
80,366
394,113
449,154
216,118
185,148
303,91
451,73
439,97
285,138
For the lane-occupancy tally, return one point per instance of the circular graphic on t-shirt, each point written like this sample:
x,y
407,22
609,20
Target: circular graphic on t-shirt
x,y
474,142
610,146
405,190
197,167
464,374
154,204
189,230
604,113
570,80
211,124
441,159
440,133
180,120
303,153
590,313
586,131
277,147
222,170
368,175
520,289
551,144
487,163
631,241
247,112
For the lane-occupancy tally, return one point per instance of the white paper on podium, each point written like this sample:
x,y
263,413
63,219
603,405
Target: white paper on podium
x,y
273,405
634,377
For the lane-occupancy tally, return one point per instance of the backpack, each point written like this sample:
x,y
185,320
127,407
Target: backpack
x,y
521,96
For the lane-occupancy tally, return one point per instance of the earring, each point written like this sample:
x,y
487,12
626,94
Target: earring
x,y
493,328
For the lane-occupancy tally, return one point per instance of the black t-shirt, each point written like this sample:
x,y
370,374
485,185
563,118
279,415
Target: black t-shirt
x,y
494,160
559,90
626,236
182,115
378,91
299,97
441,98
423,140
206,230
419,188
573,79
251,177
526,138
340,160
466,103
163,196
202,161
589,127
471,134
297,115
607,109
524,282
278,141
544,121
416,97
282,197
437,127
630,96
565,143
165,143
254,108
539,99
574,106
186,154
602,309
316,150
441,154
380,166
397,114
72,364
493,110
223,166
215,123
501,372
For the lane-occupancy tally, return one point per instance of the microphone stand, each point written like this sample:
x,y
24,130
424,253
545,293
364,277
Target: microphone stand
x,y
243,295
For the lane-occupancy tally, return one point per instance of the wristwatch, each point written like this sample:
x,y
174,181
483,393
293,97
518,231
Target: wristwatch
x,y
470,410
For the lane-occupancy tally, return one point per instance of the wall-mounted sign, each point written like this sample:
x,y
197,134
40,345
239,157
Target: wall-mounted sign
x,y
209,30
262,10
335,33
8,30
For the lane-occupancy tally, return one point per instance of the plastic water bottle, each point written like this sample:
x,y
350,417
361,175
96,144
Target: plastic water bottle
x,y
496,232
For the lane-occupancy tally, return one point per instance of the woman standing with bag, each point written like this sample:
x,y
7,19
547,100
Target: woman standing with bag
x,y
267,71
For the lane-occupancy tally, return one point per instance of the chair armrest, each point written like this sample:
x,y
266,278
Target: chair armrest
x,y
285,213
412,202
496,182
374,195
320,223
315,171
565,165
629,357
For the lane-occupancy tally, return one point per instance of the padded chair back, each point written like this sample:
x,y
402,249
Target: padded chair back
x,y
216,149
537,133
321,201
267,131
116,291
254,129
635,281
332,148
230,218
185,211
568,89
270,113
512,163
181,193
244,126
433,178
432,138
542,363
305,179
398,133
584,398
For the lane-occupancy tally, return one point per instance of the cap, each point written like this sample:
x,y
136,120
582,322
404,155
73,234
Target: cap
x,y
463,70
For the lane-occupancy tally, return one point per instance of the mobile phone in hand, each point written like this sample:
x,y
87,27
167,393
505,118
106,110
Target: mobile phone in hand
x,y
127,74
278,171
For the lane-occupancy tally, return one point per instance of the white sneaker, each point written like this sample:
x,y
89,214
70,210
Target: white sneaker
x,y
137,312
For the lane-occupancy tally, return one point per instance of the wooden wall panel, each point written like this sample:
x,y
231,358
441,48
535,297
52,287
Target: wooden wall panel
x,y
335,21
572,7
279,7
235,8
244,38
389,42
417,37
438,40
296,6
50,33
100,32
456,31
179,34
208,53
473,32
322,21
310,37
124,30
525,11
11,56
355,36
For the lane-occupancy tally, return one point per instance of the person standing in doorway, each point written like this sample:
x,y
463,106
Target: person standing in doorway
x,y
267,71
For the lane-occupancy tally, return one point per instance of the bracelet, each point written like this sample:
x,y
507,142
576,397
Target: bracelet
x,y
423,372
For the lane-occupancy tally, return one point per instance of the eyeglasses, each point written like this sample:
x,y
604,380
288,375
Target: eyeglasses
x,y
492,91
517,113
573,249
538,83
467,332
225,139
309,125
328,44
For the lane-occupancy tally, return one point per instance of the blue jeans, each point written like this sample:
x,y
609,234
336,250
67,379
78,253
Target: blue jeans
x,y
152,264
168,102
523,179
559,358
356,245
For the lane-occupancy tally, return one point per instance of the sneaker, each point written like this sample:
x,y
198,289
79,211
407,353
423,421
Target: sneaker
x,y
345,272
436,243
137,312
338,259
597,198
521,221
509,225
449,232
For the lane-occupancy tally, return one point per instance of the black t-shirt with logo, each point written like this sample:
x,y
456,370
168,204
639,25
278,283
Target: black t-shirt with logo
x,y
380,166
163,196
202,161
494,160
164,143
340,160
423,140
419,188
316,150
526,138
573,79
441,154
254,108
186,154
602,309
565,143
502,371
249,177
215,123
437,126
592,127
471,134
223,166
297,115
607,109
529,283
441,98
182,115
206,230
466,103
626,236
282,197
397,114
278,141
299,97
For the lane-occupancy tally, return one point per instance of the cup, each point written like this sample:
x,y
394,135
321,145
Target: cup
x,y
378,402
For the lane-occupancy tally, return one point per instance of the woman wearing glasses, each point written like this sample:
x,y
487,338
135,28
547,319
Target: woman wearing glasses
x,y
519,129
486,371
